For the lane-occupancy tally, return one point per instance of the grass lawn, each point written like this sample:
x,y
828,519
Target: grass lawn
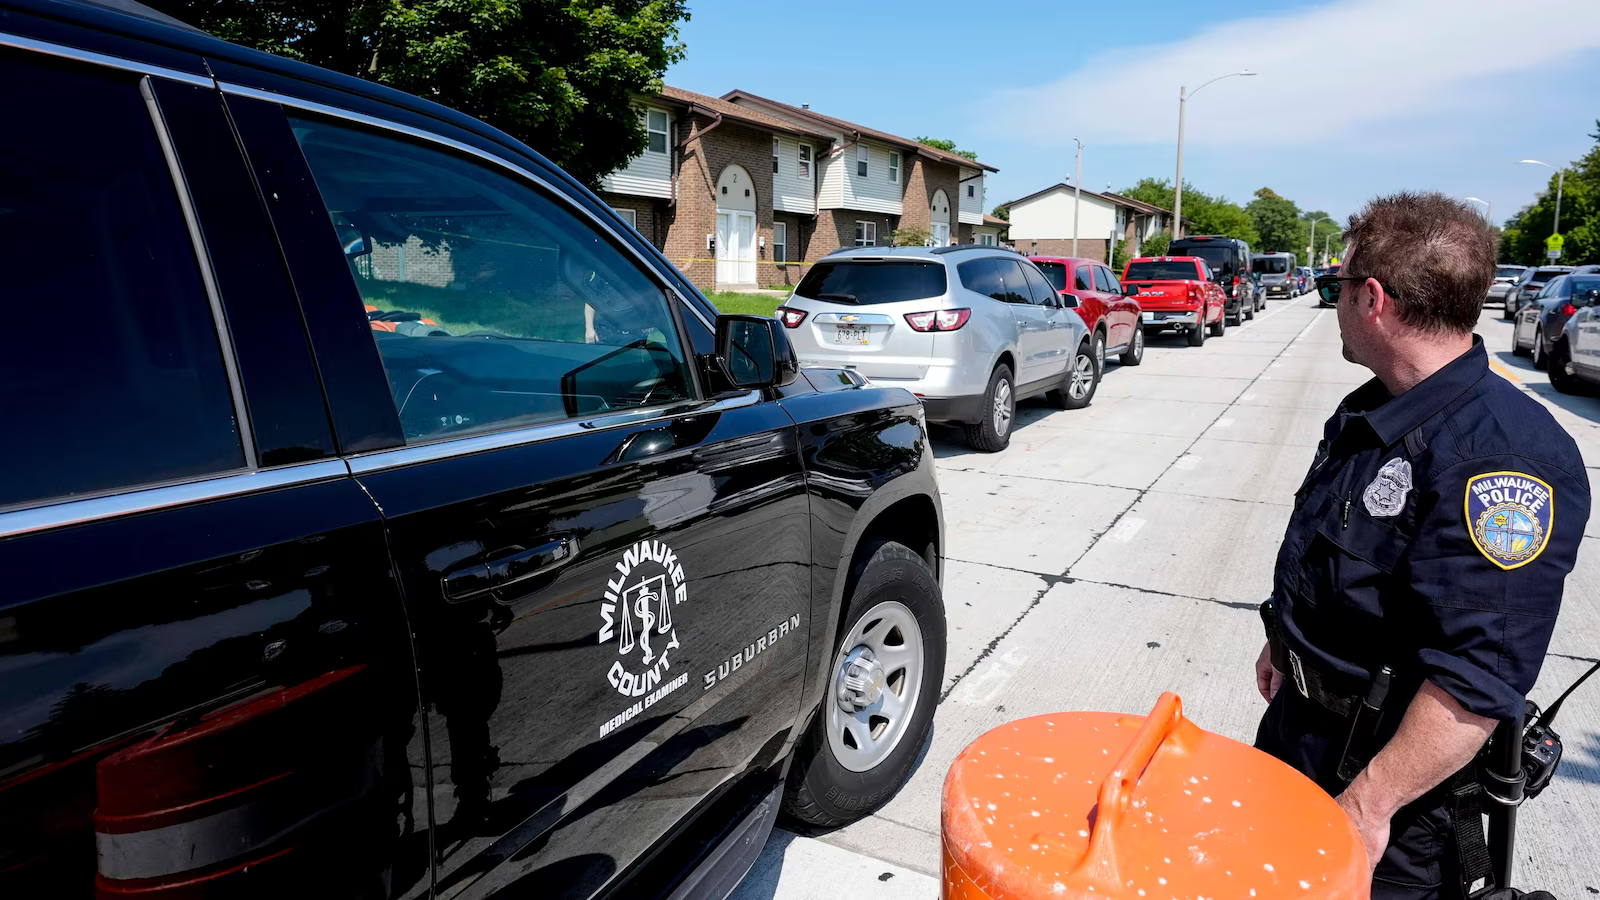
x,y
745,304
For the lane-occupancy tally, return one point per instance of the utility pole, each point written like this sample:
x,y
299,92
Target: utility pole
x,y
1077,196
1177,195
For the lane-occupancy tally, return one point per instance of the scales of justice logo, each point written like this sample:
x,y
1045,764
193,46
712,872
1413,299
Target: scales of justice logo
x,y
638,614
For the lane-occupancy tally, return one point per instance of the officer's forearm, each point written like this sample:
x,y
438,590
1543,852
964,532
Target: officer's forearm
x,y
1436,739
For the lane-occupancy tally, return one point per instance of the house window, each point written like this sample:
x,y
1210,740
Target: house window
x,y
894,168
628,215
656,124
861,160
866,234
774,156
780,242
970,190
805,160
986,240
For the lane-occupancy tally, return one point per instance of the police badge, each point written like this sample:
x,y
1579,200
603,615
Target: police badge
x,y
1386,495
1510,516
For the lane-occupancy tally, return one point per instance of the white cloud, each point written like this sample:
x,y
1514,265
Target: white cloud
x,y
1383,60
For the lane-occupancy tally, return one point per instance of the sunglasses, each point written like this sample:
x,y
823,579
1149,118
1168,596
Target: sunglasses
x,y
1329,288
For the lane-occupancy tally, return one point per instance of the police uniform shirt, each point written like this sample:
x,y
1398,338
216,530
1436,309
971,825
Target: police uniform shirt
x,y
1432,534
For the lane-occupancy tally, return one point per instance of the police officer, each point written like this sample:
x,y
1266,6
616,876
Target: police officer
x,y
1422,569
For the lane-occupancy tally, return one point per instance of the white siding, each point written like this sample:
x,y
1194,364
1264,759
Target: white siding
x,y
790,192
830,190
971,207
842,188
648,174
1050,216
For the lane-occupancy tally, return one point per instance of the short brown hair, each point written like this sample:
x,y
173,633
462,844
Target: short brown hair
x,y
1433,254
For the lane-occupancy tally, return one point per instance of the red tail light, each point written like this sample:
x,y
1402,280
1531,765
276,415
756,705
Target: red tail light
x,y
791,318
1194,294
1567,309
938,320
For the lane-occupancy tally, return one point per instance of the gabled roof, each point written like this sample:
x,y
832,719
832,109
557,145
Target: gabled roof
x,y
995,221
743,114
822,121
1109,197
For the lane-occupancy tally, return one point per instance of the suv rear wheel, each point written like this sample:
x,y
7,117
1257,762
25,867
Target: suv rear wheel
x,y
1222,323
1135,352
1541,359
992,433
1562,377
882,688
1197,331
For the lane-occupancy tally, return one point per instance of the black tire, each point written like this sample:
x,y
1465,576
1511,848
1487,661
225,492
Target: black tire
x,y
1197,332
1236,318
1220,327
984,435
1541,359
1062,397
821,792
1250,313
1562,378
1517,349
1135,352
1508,313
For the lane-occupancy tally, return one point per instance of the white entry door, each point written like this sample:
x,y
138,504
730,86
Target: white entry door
x,y
736,247
941,234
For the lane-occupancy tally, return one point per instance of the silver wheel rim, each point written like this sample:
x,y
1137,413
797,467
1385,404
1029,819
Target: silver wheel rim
x,y
1100,349
1082,376
1538,346
1002,407
877,680
1138,343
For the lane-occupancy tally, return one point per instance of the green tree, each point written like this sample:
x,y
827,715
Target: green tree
x,y
1329,233
1001,212
1523,240
1157,245
946,146
561,75
1204,213
1277,221
911,236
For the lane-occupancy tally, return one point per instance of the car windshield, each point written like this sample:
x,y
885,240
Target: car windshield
x,y
1583,284
1271,265
1055,273
1218,257
863,283
1508,271
1161,270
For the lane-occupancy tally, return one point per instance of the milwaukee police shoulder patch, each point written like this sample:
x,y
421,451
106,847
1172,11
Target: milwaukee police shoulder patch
x,y
1510,516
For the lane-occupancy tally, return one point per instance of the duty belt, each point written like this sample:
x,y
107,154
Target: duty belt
x,y
1362,710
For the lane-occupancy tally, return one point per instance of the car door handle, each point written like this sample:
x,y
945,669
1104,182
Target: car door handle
x,y
463,584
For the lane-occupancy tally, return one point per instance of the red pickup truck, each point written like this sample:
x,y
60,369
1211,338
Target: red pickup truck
x,y
1177,292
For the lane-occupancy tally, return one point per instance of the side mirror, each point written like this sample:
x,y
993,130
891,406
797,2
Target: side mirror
x,y
1130,290
754,352
1069,301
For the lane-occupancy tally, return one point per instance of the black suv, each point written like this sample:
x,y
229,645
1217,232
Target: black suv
x,y
381,518
1231,266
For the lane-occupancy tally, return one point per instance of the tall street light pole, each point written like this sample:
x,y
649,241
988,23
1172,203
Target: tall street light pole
x,y
1488,209
1311,245
1561,179
1183,101
1077,196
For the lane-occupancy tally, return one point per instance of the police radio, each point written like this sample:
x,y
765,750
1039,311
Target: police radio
x,y
1541,746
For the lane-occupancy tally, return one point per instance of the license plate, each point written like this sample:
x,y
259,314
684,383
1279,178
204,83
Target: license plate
x,y
1149,316
850,334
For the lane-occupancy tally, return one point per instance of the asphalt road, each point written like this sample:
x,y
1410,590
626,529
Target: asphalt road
x,y
1118,551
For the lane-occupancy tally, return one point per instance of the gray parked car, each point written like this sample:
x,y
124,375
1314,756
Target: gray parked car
x,y
1541,322
969,329
1528,285
1504,277
1276,272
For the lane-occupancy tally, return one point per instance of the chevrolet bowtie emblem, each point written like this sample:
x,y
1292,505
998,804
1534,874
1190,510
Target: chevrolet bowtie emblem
x,y
849,318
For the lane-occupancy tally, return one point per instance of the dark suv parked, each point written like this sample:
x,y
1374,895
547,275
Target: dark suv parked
x,y
1232,267
381,518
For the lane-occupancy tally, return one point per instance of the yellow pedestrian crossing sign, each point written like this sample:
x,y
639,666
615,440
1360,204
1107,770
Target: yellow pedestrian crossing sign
x,y
1552,246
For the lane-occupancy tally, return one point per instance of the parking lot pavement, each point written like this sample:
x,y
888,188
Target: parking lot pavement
x,y
1118,551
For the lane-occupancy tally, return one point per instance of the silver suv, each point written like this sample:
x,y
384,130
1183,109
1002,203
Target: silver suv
x,y
970,330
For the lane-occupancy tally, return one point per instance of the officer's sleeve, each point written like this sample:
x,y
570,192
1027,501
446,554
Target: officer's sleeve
x,y
1496,538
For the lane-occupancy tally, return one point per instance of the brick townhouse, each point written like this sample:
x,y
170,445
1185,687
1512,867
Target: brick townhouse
x,y
740,191
1042,222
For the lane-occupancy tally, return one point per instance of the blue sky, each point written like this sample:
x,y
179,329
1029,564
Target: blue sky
x,y
1353,97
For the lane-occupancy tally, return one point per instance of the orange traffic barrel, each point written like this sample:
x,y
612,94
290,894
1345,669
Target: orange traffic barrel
x,y
1100,805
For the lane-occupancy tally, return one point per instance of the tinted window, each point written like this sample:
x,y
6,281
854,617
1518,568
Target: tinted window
x,y
1508,271
1083,279
1163,270
1219,257
1103,281
1543,275
1271,265
491,304
996,277
873,282
1553,288
1043,294
1583,284
1055,273
114,374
